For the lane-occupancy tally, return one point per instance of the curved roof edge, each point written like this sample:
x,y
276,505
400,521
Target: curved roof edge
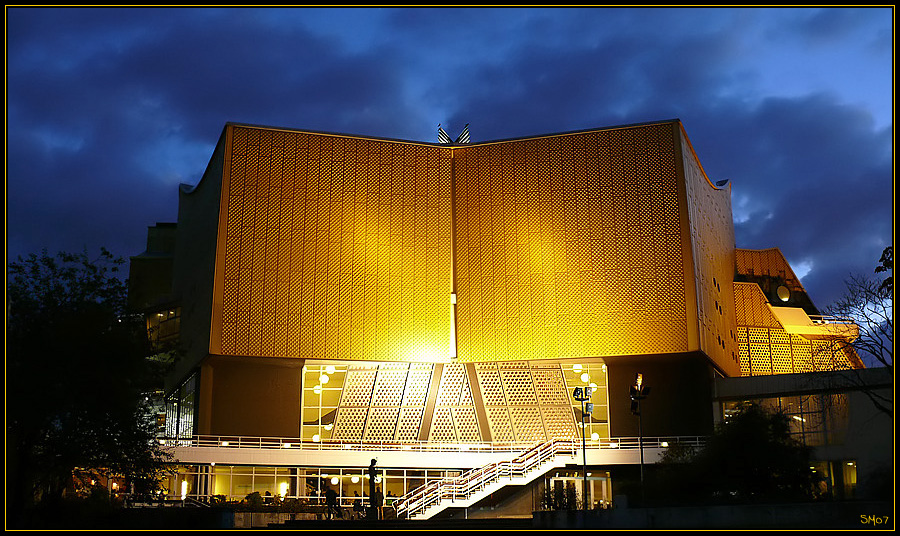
x,y
186,188
726,185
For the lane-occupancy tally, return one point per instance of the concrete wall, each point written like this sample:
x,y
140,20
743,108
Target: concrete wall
x,y
250,396
678,400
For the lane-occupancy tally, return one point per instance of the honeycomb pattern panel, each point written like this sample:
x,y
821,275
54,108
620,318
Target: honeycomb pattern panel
x,y
489,382
542,268
517,385
760,358
550,386
744,349
453,379
558,421
500,425
358,386
466,424
527,424
823,355
801,350
442,429
417,384
390,385
335,248
781,359
381,424
350,423
752,306
409,424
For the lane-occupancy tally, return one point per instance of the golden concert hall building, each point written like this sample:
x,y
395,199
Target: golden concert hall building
x,y
433,305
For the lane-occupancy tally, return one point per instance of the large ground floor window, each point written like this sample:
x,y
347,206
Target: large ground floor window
x,y
231,483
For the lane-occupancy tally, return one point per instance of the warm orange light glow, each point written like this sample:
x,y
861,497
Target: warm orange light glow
x,y
567,246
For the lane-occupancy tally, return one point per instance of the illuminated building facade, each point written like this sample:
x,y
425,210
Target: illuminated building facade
x,y
352,291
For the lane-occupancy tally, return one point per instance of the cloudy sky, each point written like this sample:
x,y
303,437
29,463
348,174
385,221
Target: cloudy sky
x,y
108,110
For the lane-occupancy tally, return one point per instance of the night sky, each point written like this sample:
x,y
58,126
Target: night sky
x,y
108,110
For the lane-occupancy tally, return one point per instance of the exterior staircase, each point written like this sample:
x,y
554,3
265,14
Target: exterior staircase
x,y
476,484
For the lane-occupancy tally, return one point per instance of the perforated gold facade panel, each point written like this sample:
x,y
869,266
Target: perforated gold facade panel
x,y
522,402
570,246
766,348
335,247
601,243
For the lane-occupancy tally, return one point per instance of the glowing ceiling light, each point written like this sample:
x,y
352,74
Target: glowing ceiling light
x,y
585,377
329,426
323,379
595,436
334,481
286,446
593,385
316,438
576,368
317,389
329,369
354,479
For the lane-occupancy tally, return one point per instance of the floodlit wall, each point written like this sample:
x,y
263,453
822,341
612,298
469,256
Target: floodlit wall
x,y
334,247
766,348
570,246
567,246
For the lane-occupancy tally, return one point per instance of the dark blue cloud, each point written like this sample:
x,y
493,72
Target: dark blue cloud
x,y
108,109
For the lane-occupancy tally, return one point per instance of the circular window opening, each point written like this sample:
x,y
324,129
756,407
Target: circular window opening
x,y
783,293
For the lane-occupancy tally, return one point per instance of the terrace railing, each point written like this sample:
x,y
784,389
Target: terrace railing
x,y
432,497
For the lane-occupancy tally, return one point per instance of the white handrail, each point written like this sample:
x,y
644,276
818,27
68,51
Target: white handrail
x,y
474,480
245,442
463,486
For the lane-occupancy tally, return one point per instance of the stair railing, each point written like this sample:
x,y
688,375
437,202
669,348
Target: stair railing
x,y
465,485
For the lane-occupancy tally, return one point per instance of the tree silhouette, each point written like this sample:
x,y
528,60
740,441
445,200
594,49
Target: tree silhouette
x,y
76,379
869,302
751,457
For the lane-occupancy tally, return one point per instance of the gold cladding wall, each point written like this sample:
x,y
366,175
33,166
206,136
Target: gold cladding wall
x,y
335,248
569,246
767,262
766,348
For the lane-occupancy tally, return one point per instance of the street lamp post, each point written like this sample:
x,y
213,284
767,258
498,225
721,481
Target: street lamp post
x,y
582,394
639,392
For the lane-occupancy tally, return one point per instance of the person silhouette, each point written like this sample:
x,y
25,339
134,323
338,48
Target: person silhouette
x,y
331,503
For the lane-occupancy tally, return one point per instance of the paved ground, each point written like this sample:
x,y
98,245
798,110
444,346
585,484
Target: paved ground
x,y
404,525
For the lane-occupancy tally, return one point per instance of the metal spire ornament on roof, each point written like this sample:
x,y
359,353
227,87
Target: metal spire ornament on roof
x,y
463,136
443,137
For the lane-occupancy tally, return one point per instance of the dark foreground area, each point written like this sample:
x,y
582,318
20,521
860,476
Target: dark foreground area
x,y
857,515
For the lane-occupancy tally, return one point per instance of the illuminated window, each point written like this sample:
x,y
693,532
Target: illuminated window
x,y
322,388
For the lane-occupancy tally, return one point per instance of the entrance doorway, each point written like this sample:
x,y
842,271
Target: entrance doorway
x,y
565,490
